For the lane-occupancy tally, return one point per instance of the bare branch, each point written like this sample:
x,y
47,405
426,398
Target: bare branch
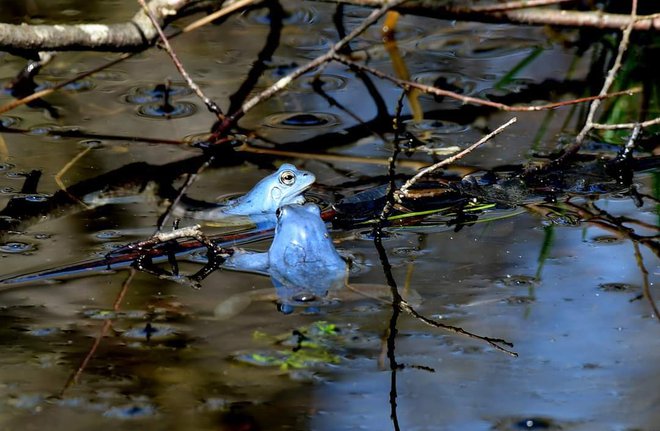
x,y
532,16
134,35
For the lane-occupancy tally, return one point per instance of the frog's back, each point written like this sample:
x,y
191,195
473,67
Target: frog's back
x,y
303,249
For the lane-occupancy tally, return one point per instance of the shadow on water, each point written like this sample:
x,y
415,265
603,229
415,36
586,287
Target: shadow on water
x,y
562,263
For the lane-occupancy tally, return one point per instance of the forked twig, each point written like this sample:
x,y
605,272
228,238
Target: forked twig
x,y
283,82
609,80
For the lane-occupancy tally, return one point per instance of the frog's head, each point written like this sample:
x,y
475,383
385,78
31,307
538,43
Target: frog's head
x,y
283,187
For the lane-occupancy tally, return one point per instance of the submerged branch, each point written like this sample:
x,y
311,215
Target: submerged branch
x,y
107,324
494,342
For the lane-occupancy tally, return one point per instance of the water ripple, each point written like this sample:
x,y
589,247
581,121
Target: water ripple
x,y
16,247
298,120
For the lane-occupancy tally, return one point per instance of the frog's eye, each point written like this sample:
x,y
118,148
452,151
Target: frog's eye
x,y
287,178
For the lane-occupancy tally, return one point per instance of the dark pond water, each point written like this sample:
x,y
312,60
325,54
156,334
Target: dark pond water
x,y
223,357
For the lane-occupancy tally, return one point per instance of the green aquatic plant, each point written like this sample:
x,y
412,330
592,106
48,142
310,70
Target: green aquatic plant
x,y
303,348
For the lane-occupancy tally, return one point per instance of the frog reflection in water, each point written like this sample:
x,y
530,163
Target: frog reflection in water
x,y
284,187
302,261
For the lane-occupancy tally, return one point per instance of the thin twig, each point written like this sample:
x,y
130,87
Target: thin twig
x,y
645,281
403,191
642,124
60,174
217,14
107,324
210,104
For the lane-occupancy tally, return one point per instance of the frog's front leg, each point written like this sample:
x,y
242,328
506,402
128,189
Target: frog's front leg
x,y
250,261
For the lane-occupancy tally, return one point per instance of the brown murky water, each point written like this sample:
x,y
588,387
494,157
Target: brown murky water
x,y
563,294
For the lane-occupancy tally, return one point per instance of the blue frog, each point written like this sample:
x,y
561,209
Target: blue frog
x,y
302,260
283,187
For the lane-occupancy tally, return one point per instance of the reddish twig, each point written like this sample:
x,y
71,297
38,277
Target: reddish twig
x,y
475,100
